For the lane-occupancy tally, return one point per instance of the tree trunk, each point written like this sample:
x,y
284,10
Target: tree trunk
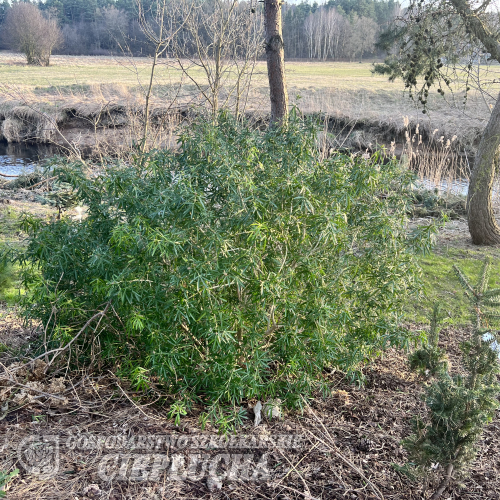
x,y
444,484
275,54
482,224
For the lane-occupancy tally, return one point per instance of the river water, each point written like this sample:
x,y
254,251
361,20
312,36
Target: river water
x,y
21,158
455,186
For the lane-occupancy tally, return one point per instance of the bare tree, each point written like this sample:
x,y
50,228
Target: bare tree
x,y
160,29
361,37
114,26
326,31
244,55
275,53
309,31
26,30
221,40
482,224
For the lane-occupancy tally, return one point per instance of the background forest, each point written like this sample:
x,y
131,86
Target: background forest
x,y
337,30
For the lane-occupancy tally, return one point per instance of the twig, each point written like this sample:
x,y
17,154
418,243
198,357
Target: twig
x,y
59,350
43,393
62,349
294,467
5,175
47,326
135,404
41,182
307,496
337,453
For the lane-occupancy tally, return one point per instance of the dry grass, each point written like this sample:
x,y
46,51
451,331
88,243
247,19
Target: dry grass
x,y
387,108
23,123
436,161
348,91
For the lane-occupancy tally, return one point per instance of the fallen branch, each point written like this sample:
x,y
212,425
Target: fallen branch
x,y
41,182
5,175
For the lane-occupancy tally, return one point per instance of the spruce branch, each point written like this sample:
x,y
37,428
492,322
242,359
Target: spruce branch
x,y
468,289
494,292
485,274
459,406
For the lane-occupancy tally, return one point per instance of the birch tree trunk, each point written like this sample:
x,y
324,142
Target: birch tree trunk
x,y
275,54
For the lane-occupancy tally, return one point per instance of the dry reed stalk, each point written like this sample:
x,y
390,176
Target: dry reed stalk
x,y
434,159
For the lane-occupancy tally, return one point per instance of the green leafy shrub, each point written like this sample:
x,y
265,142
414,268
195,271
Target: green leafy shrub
x,y
430,360
460,406
240,266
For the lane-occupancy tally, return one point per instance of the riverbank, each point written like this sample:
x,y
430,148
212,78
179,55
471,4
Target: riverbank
x,y
97,104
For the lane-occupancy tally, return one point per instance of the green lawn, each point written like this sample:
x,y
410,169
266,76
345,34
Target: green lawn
x,y
441,284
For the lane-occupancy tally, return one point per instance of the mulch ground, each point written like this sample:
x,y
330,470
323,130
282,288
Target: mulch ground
x,y
350,442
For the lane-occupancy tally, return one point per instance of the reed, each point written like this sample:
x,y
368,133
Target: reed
x,y
439,162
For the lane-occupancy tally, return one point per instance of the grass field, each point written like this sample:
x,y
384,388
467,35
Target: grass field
x,y
84,71
345,90
441,284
